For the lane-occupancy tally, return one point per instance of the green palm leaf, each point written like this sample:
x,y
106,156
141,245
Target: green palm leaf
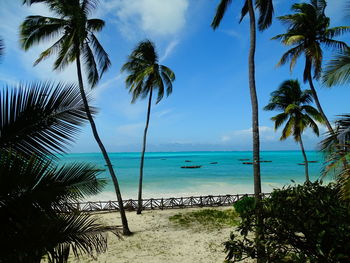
x,y
338,69
40,118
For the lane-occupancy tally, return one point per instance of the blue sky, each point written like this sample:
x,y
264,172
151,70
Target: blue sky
x,y
210,105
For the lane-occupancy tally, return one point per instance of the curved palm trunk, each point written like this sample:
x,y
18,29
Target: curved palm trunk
x,y
126,230
139,208
305,160
317,102
255,127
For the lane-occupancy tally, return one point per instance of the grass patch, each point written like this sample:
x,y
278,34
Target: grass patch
x,y
210,218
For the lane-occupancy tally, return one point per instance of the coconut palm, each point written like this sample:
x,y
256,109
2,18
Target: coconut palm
x,y
308,31
76,40
296,113
265,8
35,121
145,76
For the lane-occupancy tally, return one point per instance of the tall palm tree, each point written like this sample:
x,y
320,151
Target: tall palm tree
x,y
35,121
145,76
296,113
308,30
265,8
76,40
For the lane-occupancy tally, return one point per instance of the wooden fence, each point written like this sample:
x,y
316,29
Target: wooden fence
x,y
160,203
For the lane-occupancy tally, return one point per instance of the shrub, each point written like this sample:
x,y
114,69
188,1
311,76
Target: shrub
x,y
244,205
302,223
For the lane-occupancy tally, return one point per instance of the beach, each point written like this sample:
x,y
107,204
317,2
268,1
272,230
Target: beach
x,y
156,239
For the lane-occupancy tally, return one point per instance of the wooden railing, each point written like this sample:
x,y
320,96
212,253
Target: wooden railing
x,y
160,203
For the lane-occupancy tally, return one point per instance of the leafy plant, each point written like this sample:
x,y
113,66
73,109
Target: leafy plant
x,y
244,205
34,191
302,223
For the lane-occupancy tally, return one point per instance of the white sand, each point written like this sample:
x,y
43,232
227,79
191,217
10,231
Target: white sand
x,y
156,240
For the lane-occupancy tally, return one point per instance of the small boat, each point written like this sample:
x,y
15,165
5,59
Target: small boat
x,y
265,161
243,159
247,163
312,161
188,161
301,163
191,167
214,163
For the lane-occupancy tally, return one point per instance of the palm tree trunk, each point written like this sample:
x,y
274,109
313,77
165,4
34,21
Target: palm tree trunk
x,y
259,235
126,230
317,102
305,160
139,208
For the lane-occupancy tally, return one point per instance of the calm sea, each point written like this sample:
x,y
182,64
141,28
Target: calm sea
x,y
220,172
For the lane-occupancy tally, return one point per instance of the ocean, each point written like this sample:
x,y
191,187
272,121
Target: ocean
x,y
220,173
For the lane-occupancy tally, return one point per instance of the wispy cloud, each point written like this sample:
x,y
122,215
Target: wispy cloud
x,y
169,49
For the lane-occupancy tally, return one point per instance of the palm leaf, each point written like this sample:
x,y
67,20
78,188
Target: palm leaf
x,y
40,118
338,69
36,29
220,12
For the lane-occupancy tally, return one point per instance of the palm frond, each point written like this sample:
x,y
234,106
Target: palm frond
x,y
90,65
220,12
95,24
265,13
40,118
338,69
100,54
36,29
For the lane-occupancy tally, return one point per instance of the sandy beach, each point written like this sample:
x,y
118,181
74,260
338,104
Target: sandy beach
x,y
157,239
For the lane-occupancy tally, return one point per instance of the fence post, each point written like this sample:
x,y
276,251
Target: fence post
x,y
161,204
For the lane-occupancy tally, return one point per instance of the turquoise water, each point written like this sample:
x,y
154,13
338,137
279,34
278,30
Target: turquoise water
x,y
163,176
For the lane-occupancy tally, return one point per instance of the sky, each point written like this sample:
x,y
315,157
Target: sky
x,y
209,108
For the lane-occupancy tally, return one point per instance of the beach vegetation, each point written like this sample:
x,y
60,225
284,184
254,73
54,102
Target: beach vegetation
x,y
296,113
265,10
336,148
36,124
208,218
308,30
146,75
76,40
302,223
244,205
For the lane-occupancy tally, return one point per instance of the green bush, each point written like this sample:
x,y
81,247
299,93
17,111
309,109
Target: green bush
x,y
303,223
244,205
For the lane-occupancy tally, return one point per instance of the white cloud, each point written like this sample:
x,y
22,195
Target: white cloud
x,y
149,17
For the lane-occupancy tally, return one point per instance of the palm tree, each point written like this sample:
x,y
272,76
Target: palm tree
x,y
146,75
296,113
76,40
35,121
308,30
265,8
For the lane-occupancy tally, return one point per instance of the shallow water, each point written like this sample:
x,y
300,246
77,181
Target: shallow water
x,y
164,177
